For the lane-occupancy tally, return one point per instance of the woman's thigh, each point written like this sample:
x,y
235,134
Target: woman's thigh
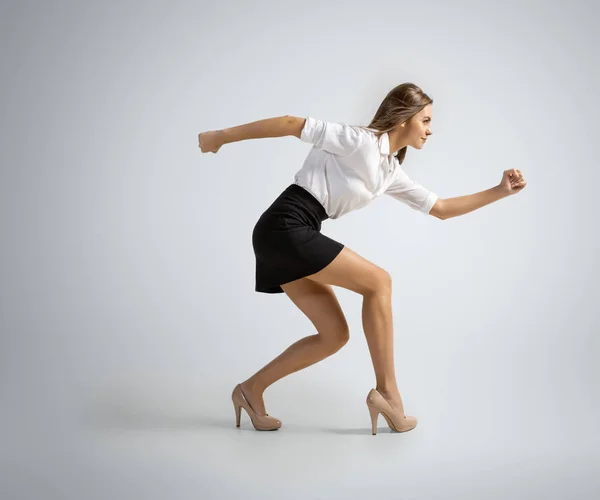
x,y
319,303
350,270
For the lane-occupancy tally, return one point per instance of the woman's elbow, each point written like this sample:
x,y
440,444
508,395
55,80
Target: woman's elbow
x,y
438,209
294,125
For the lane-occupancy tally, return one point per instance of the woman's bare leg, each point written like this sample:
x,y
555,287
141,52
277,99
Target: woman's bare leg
x,y
351,271
321,306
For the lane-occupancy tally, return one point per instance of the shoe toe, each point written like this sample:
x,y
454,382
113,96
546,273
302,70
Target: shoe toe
x,y
274,422
411,421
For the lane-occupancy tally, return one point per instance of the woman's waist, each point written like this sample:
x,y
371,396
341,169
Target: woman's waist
x,y
296,204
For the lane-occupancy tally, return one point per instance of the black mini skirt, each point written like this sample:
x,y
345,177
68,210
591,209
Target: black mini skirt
x,y
287,240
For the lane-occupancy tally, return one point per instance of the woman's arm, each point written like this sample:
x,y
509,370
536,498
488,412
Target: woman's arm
x,y
453,207
512,183
279,126
270,127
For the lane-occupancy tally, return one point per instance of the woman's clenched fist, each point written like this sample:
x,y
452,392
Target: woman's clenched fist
x,y
211,141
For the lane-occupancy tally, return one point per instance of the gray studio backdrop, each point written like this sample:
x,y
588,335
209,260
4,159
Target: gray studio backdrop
x,y
128,311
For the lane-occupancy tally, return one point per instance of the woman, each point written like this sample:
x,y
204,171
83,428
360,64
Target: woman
x,y
346,169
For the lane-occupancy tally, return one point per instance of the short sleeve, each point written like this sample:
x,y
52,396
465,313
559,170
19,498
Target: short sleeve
x,y
412,193
336,138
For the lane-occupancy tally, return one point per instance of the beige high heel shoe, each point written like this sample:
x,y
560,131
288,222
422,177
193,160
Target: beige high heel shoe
x,y
396,421
260,422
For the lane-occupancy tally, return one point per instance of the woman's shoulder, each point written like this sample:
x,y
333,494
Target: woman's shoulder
x,y
368,135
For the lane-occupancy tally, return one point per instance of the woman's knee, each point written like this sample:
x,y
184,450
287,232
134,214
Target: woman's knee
x,y
336,337
319,303
380,282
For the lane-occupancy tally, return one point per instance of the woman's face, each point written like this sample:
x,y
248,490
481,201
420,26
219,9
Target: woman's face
x,y
419,128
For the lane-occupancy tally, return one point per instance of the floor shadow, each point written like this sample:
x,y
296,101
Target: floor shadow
x,y
112,418
115,416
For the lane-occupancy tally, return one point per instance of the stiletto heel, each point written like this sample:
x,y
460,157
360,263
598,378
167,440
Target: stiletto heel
x,y
395,419
374,414
260,422
238,414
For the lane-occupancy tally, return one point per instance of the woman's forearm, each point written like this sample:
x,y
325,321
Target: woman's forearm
x,y
453,207
269,127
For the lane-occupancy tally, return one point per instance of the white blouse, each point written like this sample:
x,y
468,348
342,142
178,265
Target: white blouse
x,y
348,167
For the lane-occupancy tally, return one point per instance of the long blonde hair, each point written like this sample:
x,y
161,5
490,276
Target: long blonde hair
x,y
399,106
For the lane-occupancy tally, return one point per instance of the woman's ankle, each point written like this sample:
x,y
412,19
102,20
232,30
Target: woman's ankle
x,y
253,385
388,392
